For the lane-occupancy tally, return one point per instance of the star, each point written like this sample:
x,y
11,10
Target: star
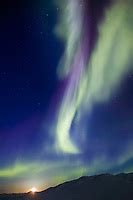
x,y
3,73
39,103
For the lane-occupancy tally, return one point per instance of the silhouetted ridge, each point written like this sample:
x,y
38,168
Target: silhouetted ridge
x,y
98,187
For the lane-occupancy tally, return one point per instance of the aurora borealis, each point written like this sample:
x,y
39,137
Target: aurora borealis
x,y
66,92
86,84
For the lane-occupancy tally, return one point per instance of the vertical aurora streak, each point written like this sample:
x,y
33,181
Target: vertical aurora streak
x,y
91,79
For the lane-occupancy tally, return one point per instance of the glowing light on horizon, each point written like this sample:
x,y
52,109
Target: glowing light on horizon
x,y
33,190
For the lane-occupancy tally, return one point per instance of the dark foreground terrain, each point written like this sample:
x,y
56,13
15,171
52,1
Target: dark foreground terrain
x,y
100,187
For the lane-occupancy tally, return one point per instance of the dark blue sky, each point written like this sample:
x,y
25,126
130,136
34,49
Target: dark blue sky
x,y
29,54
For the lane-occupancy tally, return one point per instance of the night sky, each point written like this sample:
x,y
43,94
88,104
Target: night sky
x,y
66,91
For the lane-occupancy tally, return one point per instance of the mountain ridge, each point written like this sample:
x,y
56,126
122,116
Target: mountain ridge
x,y
97,187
